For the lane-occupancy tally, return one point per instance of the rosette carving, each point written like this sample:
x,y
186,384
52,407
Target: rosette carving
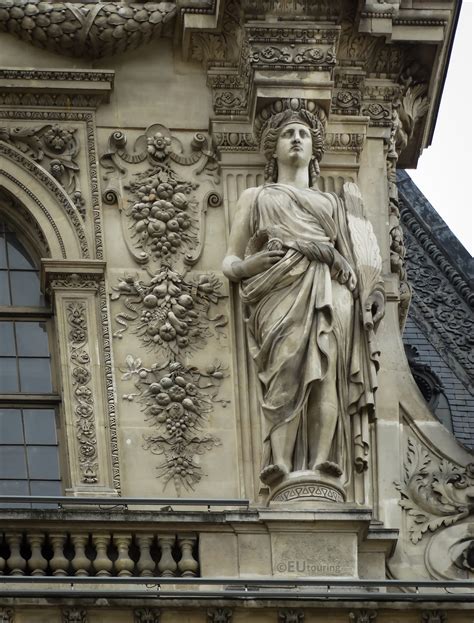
x,y
85,30
176,400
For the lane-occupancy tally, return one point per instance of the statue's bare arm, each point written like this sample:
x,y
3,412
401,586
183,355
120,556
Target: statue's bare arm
x,y
234,266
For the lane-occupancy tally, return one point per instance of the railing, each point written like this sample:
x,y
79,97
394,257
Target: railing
x,y
39,552
241,589
163,504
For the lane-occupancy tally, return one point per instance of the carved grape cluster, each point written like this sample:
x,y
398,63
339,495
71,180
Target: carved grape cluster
x,y
176,403
162,215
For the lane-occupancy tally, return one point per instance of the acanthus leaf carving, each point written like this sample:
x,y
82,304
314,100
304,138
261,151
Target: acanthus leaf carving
x,y
170,313
74,615
176,399
434,492
362,616
291,616
219,615
7,615
434,616
147,615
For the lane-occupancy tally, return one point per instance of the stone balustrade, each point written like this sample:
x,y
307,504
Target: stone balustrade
x,y
53,552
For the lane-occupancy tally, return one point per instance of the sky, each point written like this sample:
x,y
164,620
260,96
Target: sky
x,y
445,169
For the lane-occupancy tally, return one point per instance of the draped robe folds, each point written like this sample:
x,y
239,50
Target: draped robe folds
x,y
290,311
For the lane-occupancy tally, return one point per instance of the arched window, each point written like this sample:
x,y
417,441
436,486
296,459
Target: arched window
x,y
29,450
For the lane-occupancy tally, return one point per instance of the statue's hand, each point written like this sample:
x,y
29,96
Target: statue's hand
x,y
257,263
374,308
342,271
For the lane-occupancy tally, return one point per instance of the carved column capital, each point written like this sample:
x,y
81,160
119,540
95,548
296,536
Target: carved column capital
x,y
71,275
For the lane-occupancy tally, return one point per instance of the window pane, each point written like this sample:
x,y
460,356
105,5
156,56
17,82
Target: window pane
x,y
14,487
46,487
4,288
8,375
3,255
25,288
35,375
40,426
7,340
43,462
17,255
12,462
11,430
32,339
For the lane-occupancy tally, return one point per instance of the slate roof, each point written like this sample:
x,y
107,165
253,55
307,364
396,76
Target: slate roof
x,y
440,324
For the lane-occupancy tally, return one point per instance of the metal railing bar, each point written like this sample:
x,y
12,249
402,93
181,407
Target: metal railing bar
x,y
240,582
119,501
247,595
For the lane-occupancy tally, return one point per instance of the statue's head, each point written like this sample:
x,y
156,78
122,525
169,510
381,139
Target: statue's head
x,y
295,135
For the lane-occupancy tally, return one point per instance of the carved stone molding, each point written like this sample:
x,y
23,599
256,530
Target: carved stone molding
x,y
64,88
85,30
176,400
219,615
291,616
146,615
74,615
7,615
363,616
435,492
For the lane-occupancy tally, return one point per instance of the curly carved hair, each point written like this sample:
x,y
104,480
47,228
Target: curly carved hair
x,y
272,132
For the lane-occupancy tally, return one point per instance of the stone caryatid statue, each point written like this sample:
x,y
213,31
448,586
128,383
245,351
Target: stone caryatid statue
x,y
309,269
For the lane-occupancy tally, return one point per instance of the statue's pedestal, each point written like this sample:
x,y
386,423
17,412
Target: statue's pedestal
x,y
306,489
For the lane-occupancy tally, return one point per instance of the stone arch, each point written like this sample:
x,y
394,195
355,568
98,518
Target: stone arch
x,y
50,208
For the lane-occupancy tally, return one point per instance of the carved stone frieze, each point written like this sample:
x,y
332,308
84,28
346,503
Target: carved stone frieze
x,y
170,313
55,147
7,615
435,492
317,9
176,400
363,616
74,206
146,615
219,615
85,30
76,314
291,616
74,615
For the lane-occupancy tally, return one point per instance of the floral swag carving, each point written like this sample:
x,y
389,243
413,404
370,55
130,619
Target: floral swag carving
x,y
85,30
176,400
435,493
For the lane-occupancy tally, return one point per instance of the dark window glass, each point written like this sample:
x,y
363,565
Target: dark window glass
x,y
43,462
25,288
8,375
11,428
13,462
3,251
32,339
46,487
18,258
35,375
40,426
4,288
7,339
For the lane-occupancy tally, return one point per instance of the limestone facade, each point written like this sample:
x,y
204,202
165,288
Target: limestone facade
x,y
128,133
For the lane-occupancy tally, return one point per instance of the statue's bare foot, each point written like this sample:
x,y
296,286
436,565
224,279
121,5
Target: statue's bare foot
x,y
330,468
271,474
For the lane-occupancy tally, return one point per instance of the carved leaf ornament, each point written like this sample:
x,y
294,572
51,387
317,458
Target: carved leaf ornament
x,y
435,492
176,400
85,30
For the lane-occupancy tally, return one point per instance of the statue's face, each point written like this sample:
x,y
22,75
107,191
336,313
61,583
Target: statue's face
x,y
294,146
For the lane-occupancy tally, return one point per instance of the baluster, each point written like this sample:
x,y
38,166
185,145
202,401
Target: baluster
x,y
187,565
167,566
145,564
37,563
80,563
124,564
102,564
58,563
16,562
